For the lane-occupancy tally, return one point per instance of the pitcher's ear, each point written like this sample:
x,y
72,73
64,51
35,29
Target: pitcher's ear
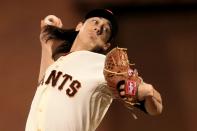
x,y
79,25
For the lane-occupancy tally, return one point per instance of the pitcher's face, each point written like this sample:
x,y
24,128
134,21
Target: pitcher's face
x,y
95,31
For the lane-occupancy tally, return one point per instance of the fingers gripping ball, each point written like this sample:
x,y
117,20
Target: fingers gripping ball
x,y
118,71
47,27
53,20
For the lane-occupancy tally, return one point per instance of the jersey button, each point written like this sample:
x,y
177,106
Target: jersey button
x,y
40,109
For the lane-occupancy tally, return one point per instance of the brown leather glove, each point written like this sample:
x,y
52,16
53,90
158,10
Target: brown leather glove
x,y
118,71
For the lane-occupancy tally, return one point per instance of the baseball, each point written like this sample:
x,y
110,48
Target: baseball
x,y
52,20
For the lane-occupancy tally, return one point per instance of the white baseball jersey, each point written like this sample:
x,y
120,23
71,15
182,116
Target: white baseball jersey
x,y
72,96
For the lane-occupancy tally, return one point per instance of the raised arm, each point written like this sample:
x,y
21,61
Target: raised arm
x,y
46,43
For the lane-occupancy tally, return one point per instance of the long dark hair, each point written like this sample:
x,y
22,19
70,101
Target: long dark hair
x,y
66,36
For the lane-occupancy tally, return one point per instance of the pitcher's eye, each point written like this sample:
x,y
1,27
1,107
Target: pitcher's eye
x,y
105,29
95,21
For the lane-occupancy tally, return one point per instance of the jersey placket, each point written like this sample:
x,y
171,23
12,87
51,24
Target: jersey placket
x,y
41,112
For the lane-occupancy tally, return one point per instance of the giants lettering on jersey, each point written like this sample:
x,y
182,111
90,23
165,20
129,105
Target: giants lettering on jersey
x,y
54,77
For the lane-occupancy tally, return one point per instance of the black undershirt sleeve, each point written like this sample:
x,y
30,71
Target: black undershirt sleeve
x,y
141,106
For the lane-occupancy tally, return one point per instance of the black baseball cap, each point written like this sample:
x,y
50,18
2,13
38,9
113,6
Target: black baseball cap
x,y
107,14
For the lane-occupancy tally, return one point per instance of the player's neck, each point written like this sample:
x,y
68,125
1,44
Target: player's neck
x,y
80,45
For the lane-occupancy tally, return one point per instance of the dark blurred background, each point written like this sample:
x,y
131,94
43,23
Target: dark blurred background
x,y
161,39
